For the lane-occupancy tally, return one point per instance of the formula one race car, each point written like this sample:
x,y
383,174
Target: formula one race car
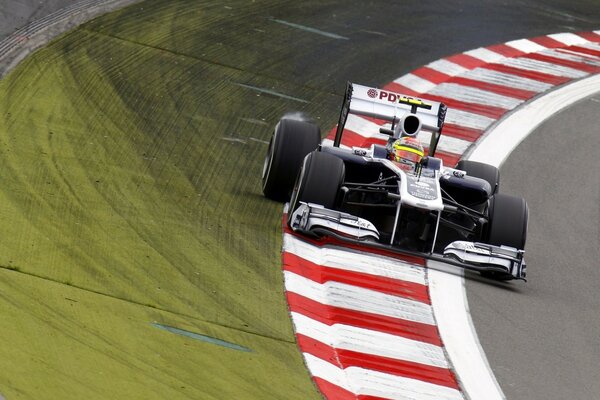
x,y
412,205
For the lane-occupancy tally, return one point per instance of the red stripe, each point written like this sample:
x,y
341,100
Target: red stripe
x,y
466,61
450,160
322,274
476,108
350,358
462,132
584,50
591,36
547,41
351,138
431,75
565,63
396,87
494,88
538,76
505,50
330,315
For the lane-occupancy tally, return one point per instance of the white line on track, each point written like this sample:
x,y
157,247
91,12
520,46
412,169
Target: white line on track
x,y
271,92
311,30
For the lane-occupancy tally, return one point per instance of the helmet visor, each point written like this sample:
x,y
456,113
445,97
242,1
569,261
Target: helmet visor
x,y
408,154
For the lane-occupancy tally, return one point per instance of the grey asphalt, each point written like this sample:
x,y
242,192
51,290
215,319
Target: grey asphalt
x,y
541,337
15,14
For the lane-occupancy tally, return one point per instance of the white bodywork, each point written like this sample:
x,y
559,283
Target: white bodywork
x,y
383,104
308,217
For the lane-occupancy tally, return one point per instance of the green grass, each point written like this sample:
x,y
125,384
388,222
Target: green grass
x,y
122,205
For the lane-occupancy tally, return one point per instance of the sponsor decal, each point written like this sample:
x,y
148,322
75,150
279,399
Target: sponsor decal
x,y
372,93
398,98
423,189
389,96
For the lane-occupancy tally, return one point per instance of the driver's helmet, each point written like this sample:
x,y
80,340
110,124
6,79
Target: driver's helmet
x,y
407,150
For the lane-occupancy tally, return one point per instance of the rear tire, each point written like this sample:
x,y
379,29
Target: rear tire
x,y
290,143
319,181
483,171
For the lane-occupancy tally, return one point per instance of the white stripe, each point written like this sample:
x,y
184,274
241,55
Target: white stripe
x,y
364,127
446,144
459,336
329,372
542,66
570,56
525,45
592,46
349,260
508,80
329,142
570,39
474,95
413,82
467,119
576,53
484,54
597,32
355,298
346,337
365,382
447,67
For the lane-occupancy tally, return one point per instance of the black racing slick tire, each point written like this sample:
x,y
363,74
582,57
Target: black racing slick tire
x,y
319,181
508,216
507,226
290,143
482,171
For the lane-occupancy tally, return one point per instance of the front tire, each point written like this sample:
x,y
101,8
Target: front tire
x,y
319,181
508,217
290,143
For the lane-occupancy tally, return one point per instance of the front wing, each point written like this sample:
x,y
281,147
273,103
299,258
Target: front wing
x,y
502,262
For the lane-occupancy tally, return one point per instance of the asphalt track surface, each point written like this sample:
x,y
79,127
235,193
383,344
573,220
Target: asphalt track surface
x,y
15,14
540,336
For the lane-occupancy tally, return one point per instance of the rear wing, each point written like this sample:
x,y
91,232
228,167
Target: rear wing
x,y
392,107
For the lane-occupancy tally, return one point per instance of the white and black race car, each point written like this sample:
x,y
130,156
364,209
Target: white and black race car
x,y
455,215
